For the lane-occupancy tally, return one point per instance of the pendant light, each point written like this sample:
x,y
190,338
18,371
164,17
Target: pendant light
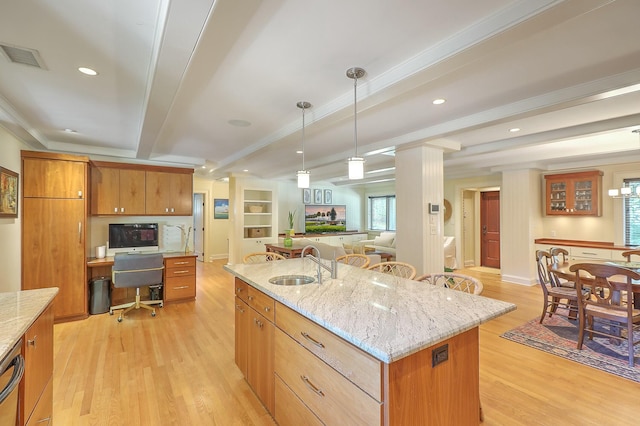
x,y
303,175
356,164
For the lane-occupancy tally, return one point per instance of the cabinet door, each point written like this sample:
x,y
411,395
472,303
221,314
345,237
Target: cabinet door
x,y
182,194
53,255
132,192
38,357
105,190
243,322
260,361
53,178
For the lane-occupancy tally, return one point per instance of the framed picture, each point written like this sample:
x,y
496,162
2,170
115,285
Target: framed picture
x,y
8,193
221,208
327,196
317,196
306,196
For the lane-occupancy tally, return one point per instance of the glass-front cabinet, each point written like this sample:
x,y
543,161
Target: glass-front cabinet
x,y
574,194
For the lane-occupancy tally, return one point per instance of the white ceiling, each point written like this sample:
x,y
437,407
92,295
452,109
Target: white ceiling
x,y
172,74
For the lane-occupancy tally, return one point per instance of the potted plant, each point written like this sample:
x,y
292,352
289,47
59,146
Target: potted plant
x,y
292,216
288,241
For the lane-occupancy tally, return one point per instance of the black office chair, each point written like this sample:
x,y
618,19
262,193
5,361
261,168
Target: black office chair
x,y
136,270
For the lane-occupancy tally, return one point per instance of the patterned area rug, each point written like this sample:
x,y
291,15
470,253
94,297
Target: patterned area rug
x,y
559,336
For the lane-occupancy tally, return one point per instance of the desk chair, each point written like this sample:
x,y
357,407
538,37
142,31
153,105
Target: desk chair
x,y
136,270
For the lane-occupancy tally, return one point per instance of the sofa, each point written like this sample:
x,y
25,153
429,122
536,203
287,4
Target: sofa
x,y
330,252
385,243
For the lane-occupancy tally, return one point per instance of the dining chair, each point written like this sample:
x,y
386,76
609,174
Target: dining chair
x,y
630,253
261,257
135,271
601,310
395,268
454,281
359,260
560,256
553,293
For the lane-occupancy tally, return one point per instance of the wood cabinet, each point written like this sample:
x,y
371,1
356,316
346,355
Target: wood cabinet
x,y
36,388
574,194
169,193
54,229
116,191
179,278
255,341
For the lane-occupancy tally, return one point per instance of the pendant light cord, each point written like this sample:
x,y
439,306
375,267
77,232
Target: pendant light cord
x,y
303,109
355,113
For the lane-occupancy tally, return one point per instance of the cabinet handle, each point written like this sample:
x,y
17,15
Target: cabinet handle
x,y
258,322
239,290
181,272
80,232
181,287
121,209
79,194
32,342
238,307
267,309
115,210
312,340
250,297
181,263
589,253
46,420
311,386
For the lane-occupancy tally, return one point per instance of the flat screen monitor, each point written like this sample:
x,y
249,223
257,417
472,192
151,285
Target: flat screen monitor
x,y
133,237
320,219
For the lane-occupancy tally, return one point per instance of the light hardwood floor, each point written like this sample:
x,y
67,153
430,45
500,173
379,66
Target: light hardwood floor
x,y
178,368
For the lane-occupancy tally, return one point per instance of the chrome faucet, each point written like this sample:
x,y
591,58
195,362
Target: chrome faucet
x,y
334,264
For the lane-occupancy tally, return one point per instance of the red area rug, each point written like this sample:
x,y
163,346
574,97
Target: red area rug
x,y
559,336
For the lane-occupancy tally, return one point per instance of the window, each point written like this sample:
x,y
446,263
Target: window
x,y
632,215
382,213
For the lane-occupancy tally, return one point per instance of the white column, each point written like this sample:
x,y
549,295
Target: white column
x,y
521,221
419,181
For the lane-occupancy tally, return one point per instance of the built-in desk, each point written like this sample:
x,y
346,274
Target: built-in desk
x,y
179,278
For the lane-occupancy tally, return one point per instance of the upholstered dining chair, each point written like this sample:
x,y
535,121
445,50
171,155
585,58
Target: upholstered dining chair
x,y
398,269
135,271
359,260
554,295
560,256
607,308
261,257
454,281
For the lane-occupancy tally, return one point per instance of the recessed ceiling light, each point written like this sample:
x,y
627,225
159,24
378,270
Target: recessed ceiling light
x,y
87,71
69,130
298,152
239,123
514,129
245,170
438,101
203,166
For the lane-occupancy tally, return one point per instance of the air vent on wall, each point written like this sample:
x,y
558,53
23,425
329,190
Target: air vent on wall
x,y
21,55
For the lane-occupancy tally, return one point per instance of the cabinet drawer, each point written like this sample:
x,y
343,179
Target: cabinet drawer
x,y
43,412
180,262
261,303
590,253
241,289
180,272
326,392
353,363
180,288
290,410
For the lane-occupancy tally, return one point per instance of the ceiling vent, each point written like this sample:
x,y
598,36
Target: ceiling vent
x,y
21,55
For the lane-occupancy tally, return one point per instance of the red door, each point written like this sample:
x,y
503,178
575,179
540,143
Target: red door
x,y
490,228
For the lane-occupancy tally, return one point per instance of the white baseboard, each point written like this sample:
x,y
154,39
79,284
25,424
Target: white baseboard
x,y
519,280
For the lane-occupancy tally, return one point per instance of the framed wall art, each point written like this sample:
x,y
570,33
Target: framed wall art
x,y
221,208
328,199
317,196
8,193
306,196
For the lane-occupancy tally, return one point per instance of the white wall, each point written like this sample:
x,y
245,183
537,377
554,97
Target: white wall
x,y
216,231
10,228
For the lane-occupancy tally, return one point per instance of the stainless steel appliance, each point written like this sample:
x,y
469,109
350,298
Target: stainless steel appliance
x,y
11,372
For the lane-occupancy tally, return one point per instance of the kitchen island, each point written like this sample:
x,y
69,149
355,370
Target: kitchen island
x,y
366,347
27,317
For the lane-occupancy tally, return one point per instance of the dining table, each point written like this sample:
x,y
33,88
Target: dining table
x,y
562,270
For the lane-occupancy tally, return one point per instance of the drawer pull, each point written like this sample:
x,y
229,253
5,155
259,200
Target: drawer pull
x,y
239,290
181,287
250,297
180,272
238,307
267,309
312,340
181,263
258,322
32,342
586,252
310,385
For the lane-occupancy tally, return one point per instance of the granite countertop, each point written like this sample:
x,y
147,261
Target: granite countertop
x,y
18,310
387,317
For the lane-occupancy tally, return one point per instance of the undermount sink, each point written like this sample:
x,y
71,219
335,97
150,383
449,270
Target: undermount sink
x,y
292,280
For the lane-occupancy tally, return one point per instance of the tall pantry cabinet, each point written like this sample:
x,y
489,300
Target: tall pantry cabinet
x,y
54,222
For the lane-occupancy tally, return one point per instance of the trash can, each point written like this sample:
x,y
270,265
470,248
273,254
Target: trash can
x,y
99,295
